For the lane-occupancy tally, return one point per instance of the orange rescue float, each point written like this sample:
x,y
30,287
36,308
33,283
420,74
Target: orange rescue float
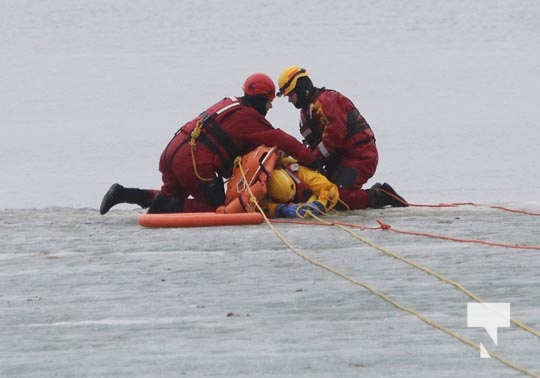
x,y
241,187
198,219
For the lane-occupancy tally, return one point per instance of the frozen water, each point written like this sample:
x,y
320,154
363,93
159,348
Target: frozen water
x,y
85,296
91,93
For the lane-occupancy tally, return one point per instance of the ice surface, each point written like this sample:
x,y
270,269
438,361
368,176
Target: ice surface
x,y
98,296
92,91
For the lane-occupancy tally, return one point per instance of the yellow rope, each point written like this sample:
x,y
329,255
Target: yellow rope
x,y
194,135
253,204
426,270
396,304
380,294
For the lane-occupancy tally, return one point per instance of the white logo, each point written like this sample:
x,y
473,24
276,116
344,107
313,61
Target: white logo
x,y
489,316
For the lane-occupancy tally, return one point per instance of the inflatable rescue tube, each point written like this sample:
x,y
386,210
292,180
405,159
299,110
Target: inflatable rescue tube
x,y
198,219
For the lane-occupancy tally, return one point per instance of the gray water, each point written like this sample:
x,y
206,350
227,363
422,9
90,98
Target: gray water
x,y
91,93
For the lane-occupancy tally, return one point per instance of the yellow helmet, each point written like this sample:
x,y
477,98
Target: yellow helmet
x,y
281,186
288,78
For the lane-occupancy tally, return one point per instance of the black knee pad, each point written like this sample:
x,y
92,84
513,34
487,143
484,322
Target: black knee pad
x,y
214,191
163,204
344,177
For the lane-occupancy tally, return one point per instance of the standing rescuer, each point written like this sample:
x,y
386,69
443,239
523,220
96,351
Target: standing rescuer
x,y
340,137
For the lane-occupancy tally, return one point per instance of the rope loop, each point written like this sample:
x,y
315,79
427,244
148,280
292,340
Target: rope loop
x,y
196,133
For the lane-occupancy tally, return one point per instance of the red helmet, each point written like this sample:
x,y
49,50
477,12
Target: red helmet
x,y
260,84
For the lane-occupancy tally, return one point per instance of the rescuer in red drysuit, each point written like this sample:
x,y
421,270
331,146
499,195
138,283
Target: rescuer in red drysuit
x,y
342,140
202,152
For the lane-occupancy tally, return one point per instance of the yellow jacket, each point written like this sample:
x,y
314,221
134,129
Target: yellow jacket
x,y
323,190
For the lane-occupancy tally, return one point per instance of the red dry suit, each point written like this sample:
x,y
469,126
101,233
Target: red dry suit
x,y
339,135
228,129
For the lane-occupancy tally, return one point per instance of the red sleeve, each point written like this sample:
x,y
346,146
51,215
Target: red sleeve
x,y
250,129
333,113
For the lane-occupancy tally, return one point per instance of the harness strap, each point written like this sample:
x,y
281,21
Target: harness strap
x,y
207,122
356,123
303,192
222,140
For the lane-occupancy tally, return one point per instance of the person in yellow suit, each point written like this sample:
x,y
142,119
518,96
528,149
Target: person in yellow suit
x,y
279,185
294,190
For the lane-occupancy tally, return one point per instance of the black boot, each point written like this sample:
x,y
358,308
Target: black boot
x,y
382,195
118,194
